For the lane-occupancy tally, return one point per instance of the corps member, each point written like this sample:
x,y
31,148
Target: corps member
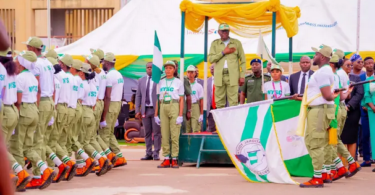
x,y
194,124
89,141
171,101
10,115
276,88
112,107
22,141
320,112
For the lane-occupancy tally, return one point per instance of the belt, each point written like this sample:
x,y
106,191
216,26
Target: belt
x,y
322,106
6,105
64,104
195,103
88,106
225,71
45,98
27,103
169,102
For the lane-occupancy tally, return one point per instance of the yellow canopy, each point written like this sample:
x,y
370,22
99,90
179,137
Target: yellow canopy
x,y
245,19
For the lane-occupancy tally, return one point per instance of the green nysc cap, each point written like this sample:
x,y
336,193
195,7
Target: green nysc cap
x,y
98,52
335,58
52,60
340,53
224,26
86,68
34,42
7,53
325,50
66,59
276,67
170,63
110,57
51,53
77,64
191,68
93,59
27,55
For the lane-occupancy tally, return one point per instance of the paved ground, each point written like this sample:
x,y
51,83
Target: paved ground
x,y
144,178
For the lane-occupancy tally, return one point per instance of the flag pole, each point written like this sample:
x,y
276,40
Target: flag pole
x,y
290,56
182,54
205,114
261,63
358,24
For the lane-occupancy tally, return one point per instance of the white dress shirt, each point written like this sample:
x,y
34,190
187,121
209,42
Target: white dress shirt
x,y
150,92
300,80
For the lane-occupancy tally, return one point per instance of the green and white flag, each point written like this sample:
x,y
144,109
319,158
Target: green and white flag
x,y
250,134
157,61
263,50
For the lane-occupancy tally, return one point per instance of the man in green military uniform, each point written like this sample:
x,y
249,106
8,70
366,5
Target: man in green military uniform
x,y
252,88
230,67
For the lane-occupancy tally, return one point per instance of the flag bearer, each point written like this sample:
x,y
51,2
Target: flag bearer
x,y
101,79
22,141
112,107
320,112
196,102
171,108
90,143
10,115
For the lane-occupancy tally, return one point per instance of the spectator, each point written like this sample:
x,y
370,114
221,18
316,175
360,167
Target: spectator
x,y
200,81
145,110
349,134
269,64
194,124
299,80
211,105
357,64
369,66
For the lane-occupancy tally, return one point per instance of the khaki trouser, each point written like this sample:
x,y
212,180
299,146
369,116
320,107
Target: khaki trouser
x,y
99,107
76,128
90,145
10,120
51,133
170,131
316,138
22,141
341,149
193,124
226,92
66,134
107,133
60,122
46,107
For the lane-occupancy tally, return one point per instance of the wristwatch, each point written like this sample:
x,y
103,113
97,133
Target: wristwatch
x,y
223,53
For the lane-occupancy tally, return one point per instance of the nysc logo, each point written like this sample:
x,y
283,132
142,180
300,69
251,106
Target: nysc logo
x,y
33,89
65,80
75,88
251,153
163,89
121,80
2,77
92,94
12,85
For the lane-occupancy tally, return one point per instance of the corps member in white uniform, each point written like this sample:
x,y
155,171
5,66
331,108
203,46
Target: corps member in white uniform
x,y
194,124
10,114
90,144
22,141
112,107
171,91
276,88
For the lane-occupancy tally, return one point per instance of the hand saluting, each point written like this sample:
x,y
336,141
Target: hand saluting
x,y
228,50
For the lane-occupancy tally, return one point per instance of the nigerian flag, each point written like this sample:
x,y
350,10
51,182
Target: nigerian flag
x,y
258,135
157,61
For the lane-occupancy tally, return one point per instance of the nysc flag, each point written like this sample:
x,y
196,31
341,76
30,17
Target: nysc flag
x,y
256,139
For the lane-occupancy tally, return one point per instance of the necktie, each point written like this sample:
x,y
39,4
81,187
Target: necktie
x,y
302,89
213,98
148,91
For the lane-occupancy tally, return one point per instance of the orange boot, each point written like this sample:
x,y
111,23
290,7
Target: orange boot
x,y
313,183
72,171
326,178
84,171
110,166
43,182
23,179
120,162
14,179
95,169
165,164
341,172
174,163
103,164
353,169
112,157
63,169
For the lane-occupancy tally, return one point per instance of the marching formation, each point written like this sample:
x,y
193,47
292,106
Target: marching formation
x,y
54,106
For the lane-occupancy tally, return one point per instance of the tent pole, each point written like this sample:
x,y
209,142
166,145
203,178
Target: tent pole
x,y
205,114
274,35
290,56
182,55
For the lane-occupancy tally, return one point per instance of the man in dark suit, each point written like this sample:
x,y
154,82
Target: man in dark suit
x,y
269,64
144,107
200,81
299,80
